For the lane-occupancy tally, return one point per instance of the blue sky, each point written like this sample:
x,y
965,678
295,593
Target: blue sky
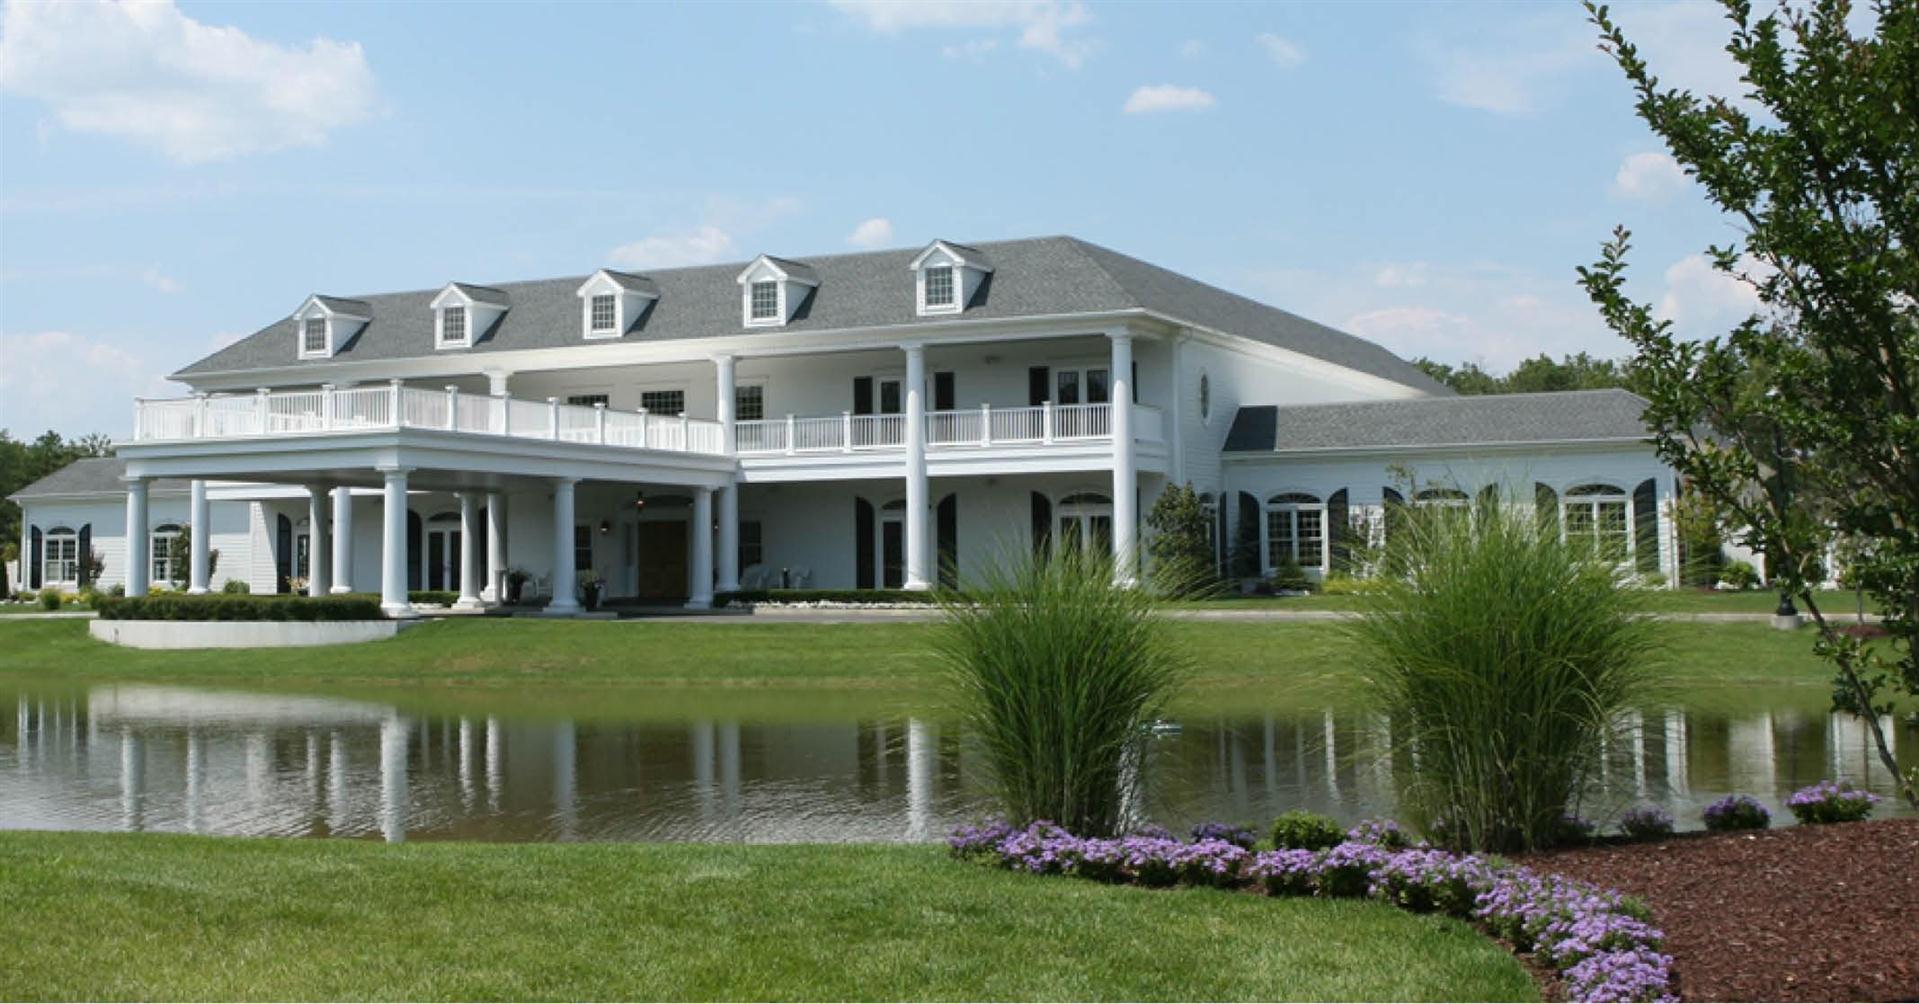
x,y
1424,174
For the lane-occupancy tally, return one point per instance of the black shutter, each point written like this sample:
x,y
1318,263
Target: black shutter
x,y
483,561
1395,506
862,395
943,392
86,555
948,536
283,554
1338,533
1645,530
1042,522
863,541
1132,383
414,534
1489,498
1039,381
1546,507
1247,561
32,578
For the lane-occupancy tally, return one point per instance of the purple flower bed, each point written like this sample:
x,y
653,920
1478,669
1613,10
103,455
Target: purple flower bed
x,y
1735,812
1831,802
1646,822
1601,943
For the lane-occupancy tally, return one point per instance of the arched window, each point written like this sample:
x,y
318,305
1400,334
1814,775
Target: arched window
x,y
1085,522
1441,498
160,548
1598,516
60,561
1295,530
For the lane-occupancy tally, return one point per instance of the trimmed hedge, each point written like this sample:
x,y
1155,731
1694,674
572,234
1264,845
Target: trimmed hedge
x,y
925,598
239,607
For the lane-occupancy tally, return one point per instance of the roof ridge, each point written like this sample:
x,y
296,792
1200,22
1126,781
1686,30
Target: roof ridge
x,y
1458,398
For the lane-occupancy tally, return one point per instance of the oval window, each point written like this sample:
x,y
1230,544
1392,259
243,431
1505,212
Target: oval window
x,y
1205,398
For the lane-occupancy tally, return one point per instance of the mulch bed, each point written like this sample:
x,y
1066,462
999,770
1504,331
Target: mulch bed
x,y
1804,913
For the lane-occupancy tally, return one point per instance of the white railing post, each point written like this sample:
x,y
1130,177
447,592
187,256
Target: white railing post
x,y
505,404
200,415
553,418
139,416
599,421
985,424
791,427
846,432
686,435
1046,422
394,403
261,406
452,407
646,431
326,406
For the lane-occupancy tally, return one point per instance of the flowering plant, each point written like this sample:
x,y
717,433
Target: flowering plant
x,y
1831,802
1646,822
1736,812
1380,833
1240,836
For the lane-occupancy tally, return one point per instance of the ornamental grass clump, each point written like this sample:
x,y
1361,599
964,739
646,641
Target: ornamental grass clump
x,y
1057,675
1503,656
1831,802
1735,812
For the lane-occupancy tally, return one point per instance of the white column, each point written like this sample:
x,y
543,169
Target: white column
x,y
469,552
1668,530
725,412
729,543
139,539
495,548
563,603
1125,464
342,540
393,546
699,595
496,382
201,529
316,540
916,544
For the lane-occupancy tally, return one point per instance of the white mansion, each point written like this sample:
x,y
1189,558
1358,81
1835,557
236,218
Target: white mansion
x,y
887,419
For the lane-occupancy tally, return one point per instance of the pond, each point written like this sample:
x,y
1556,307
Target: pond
x,y
141,757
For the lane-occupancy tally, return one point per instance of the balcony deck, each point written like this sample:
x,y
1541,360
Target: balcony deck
x,y
969,428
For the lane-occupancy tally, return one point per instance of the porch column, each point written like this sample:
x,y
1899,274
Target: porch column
x,y
342,541
563,602
725,411
139,538
198,526
469,552
495,548
729,543
1125,464
316,540
700,594
916,549
393,601
496,383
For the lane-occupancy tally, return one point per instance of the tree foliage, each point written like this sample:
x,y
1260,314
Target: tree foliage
x,y
1802,422
22,463
1579,371
1179,540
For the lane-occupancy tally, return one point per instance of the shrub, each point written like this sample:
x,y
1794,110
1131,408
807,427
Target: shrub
x,y
1736,812
1574,830
1503,657
1831,802
1347,585
226,607
745,596
1306,831
234,587
1739,575
443,597
1647,822
1288,575
1380,833
1057,674
1238,836
1179,544
50,599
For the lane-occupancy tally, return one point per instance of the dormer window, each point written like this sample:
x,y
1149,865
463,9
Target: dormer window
x,y
947,277
602,320
453,326
766,301
313,338
325,323
614,303
774,290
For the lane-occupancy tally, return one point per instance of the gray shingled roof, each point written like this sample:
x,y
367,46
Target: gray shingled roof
x,y
1042,276
1489,420
92,474
633,283
484,294
342,305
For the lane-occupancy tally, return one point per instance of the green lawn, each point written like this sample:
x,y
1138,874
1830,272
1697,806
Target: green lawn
x,y
181,918
1671,601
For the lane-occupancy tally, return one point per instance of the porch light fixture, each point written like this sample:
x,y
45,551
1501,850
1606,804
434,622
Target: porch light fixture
x,y
605,527
639,501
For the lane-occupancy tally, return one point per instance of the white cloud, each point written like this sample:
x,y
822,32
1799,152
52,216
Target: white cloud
x,y
147,73
158,280
873,233
1398,274
1652,176
58,379
702,245
1167,98
1512,77
1283,51
1702,301
1192,48
1046,26
973,49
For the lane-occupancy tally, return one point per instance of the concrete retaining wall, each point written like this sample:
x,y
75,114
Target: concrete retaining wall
x,y
240,634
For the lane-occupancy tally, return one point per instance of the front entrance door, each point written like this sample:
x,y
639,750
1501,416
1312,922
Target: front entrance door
x,y
1086,522
443,553
662,560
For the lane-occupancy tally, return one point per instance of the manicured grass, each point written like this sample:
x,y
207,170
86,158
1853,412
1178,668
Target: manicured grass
x,y
1671,601
151,917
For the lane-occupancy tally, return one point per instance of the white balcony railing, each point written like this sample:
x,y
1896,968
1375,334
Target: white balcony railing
x,y
269,414
972,427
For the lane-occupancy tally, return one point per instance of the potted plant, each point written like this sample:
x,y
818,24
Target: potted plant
x,y
516,580
590,589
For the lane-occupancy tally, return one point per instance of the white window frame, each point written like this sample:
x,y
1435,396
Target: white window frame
x,y
466,327
681,391
1589,497
778,313
1442,498
1080,372
1083,507
69,565
159,552
594,329
308,329
951,305
1295,508
739,389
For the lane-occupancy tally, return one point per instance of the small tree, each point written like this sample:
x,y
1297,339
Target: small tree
x,y
1179,543
180,556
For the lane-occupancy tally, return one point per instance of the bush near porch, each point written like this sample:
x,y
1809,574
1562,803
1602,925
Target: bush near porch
x,y
238,607
851,596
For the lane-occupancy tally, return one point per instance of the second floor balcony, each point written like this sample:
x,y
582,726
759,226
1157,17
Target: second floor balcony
x,y
965,428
